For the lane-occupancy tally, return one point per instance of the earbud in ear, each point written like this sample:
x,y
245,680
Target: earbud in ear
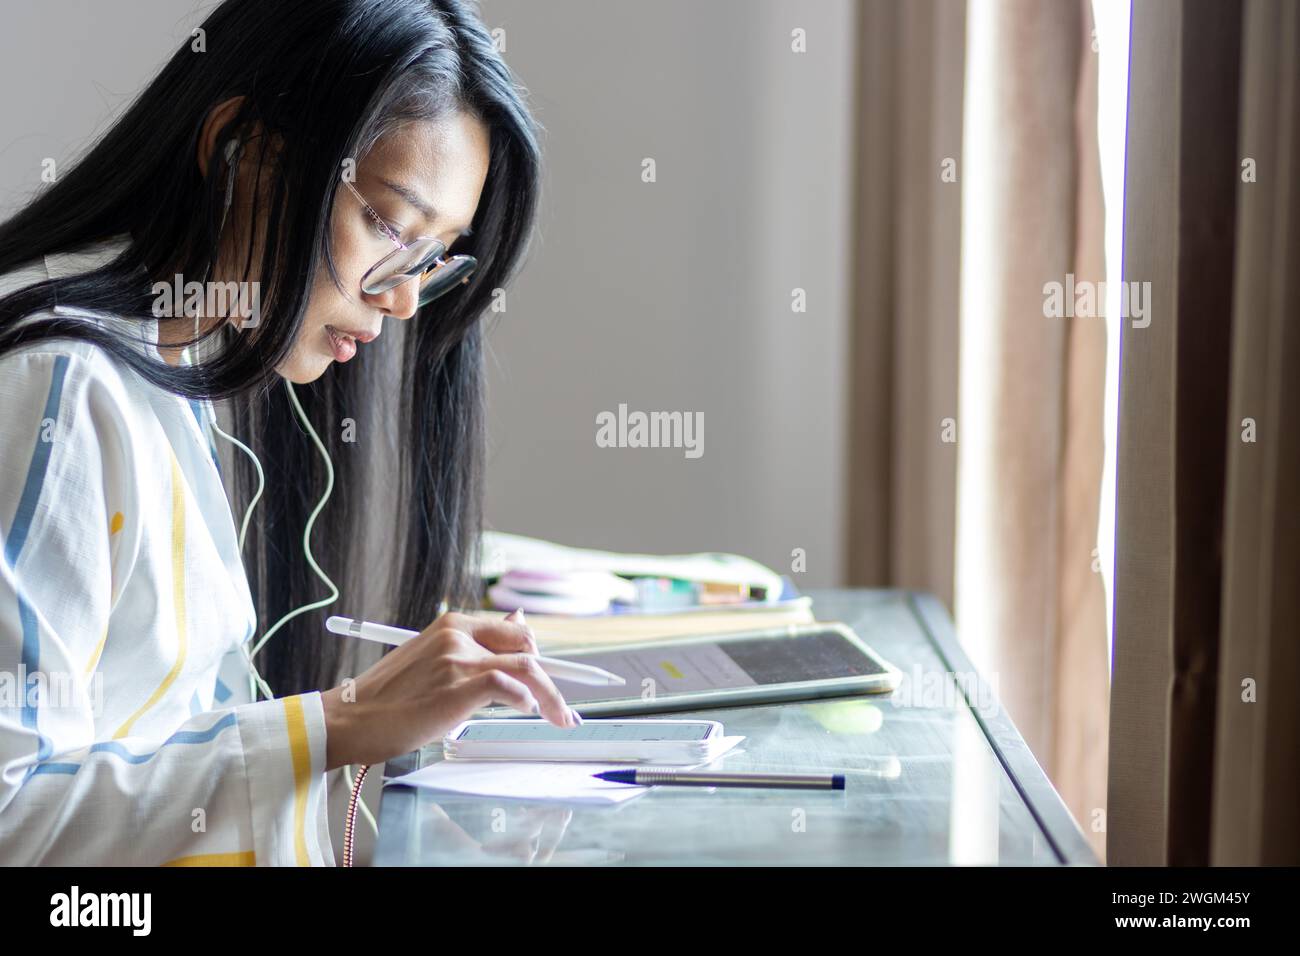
x,y
232,151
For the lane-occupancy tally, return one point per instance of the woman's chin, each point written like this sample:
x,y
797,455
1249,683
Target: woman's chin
x,y
300,369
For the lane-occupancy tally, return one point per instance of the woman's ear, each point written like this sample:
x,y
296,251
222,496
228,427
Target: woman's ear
x,y
217,119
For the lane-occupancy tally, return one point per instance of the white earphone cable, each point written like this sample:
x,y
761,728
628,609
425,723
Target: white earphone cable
x,y
255,680
306,532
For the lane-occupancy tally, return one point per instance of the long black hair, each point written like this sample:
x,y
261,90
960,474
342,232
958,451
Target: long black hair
x,y
328,79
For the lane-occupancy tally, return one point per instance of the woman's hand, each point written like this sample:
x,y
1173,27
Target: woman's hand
x,y
425,687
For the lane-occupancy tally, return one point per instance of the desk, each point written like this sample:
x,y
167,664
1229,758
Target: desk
x,y
937,774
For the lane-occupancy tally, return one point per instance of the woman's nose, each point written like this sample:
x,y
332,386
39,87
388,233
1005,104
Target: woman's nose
x,y
401,301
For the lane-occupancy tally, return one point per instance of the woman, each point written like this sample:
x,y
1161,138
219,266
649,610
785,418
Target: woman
x,y
333,162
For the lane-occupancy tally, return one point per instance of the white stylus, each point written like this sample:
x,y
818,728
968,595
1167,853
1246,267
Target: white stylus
x,y
384,634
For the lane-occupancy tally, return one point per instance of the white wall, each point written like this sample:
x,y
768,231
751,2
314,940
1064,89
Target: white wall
x,y
676,295
67,68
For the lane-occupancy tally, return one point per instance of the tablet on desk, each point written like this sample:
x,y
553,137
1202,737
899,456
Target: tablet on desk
x,y
795,662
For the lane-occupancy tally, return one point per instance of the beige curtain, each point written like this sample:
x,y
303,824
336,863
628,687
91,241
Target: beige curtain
x,y
902,485
1030,606
1256,796
1081,676
1205,728
976,444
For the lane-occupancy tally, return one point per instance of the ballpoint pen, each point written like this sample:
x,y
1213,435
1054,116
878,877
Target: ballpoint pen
x,y
559,669
695,778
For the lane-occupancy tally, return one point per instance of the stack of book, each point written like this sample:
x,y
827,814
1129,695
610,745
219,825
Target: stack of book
x,y
580,597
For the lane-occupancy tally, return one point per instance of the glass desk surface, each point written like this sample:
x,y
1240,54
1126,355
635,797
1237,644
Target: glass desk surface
x,y
936,775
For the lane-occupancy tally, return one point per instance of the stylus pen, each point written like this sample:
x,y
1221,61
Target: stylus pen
x,y
693,778
384,634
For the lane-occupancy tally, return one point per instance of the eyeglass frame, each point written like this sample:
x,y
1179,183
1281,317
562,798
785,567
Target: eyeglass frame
x,y
403,247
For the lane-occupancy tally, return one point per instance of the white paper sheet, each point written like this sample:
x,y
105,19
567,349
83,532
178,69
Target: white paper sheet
x,y
564,782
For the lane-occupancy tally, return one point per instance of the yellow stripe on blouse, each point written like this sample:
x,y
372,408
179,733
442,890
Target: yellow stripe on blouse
x,y
114,526
301,753
178,595
244,858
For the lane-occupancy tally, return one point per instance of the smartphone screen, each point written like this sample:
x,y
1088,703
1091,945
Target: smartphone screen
x,y
518,731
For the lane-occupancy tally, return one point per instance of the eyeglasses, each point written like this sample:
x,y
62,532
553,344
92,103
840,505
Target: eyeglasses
x,y
422,259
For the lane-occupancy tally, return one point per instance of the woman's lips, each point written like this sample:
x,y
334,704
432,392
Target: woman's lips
x,y
344,345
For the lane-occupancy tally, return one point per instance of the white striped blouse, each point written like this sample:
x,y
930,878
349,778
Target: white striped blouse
x,y
126,735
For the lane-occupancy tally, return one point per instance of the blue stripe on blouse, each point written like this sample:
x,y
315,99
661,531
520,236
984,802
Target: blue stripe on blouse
x,y
197,409
31,496
118,750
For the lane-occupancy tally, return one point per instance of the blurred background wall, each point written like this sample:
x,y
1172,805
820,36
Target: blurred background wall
x,y
677,294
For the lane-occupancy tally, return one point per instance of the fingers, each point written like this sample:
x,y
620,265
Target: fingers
x,y
501,637
496,686
526,669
